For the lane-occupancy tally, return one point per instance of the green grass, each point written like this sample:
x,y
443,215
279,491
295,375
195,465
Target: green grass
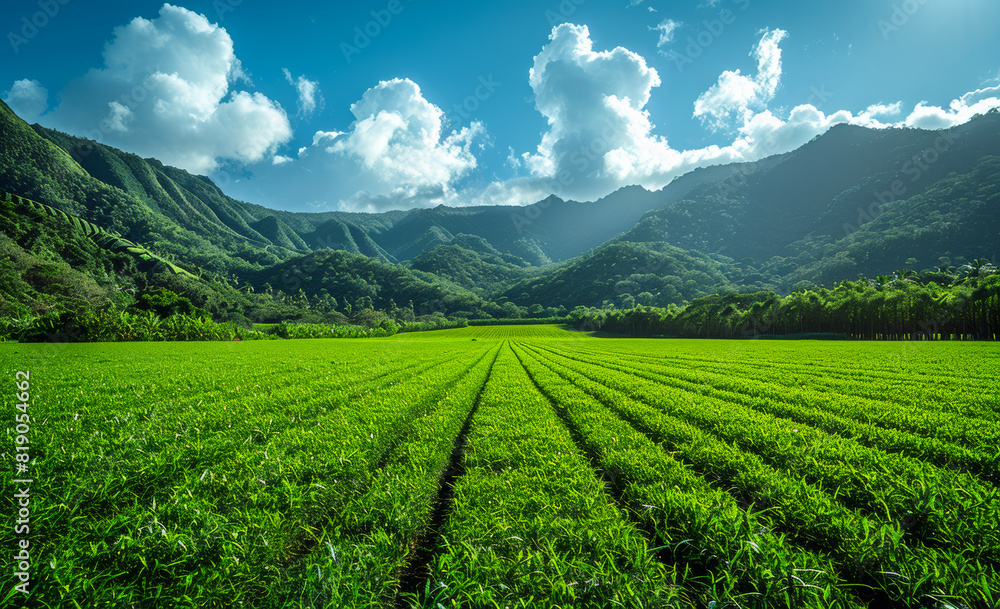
x,y
511,466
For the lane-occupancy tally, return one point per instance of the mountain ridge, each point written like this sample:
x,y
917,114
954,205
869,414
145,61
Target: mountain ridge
x,y
801,217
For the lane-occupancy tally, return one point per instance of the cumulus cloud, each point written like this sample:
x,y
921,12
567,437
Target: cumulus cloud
x,y
736,96
884,110
594,103
28,99
959,111
398,138
310,97
764,134
165,91
395,154
600,134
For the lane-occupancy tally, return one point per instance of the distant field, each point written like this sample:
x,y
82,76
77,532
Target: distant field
x,y
511,467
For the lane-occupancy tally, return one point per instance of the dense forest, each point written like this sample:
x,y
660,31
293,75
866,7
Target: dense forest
x,y
56,281
95,242
949,304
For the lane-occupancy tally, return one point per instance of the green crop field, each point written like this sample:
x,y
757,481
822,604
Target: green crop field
x,y
508,467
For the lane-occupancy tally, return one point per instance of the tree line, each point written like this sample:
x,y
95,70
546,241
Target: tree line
x,y
906,306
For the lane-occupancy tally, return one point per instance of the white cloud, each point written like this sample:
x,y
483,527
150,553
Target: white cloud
x,y
119,117
666,28
28,99
975,97
513,160
281,160
594,103
736,96
886,110
959,111
397,137
165,91
600,135
310,97
764,134
320,136
396,154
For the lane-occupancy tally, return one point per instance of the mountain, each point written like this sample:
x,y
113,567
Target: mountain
x,y
825,190
70,198
165,209
853,201
363,282
551,230
955,220
474,264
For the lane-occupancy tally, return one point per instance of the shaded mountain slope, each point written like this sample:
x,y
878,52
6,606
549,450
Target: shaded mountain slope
x,y
827,188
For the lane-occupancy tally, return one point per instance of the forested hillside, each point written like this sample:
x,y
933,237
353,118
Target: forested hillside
x,y
852,205
827,189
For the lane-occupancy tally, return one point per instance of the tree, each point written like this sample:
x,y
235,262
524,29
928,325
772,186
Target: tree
x,y
166,303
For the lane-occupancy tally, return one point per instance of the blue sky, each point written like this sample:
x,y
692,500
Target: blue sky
x,y
388,104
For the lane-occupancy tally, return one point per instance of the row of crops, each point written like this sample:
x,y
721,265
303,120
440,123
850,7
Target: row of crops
x,y
512,467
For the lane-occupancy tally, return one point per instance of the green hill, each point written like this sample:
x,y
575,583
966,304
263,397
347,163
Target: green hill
x,y
474,264
625,274
954,221
825,190
357,282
